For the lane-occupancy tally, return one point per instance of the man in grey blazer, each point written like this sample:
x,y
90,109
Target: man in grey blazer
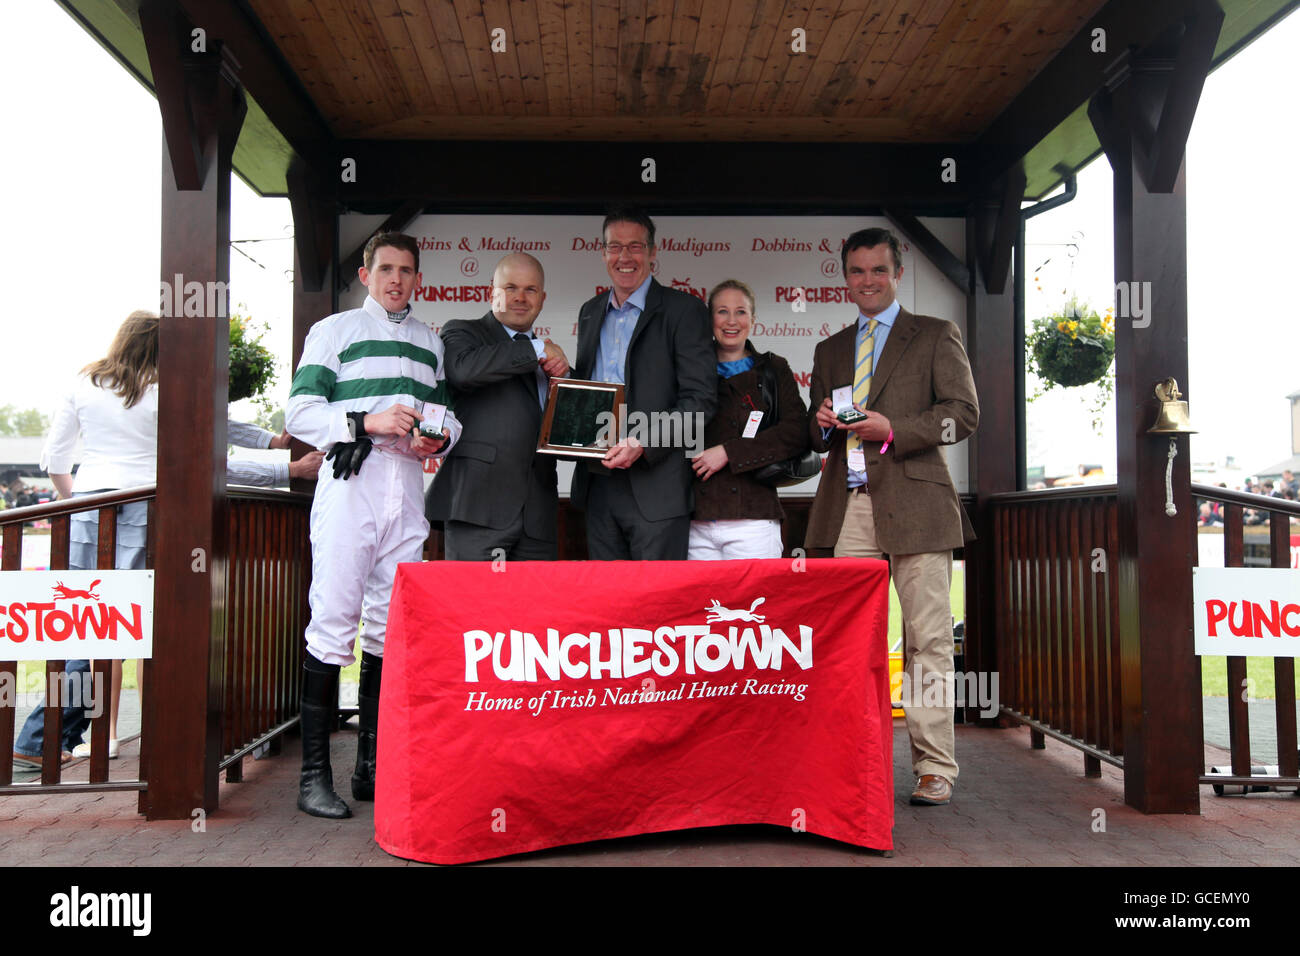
x,y
659,343
885,489
494,495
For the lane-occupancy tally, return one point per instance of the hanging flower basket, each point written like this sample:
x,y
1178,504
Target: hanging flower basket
x,y
252,366
1073,348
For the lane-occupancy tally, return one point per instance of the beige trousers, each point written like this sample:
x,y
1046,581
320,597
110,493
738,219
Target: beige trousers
x,y
923,582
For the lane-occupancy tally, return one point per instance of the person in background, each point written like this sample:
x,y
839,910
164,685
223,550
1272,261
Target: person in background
x,y
266,474
113,407
735,515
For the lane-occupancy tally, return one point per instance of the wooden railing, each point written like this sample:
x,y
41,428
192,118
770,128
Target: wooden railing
x,y
1280,512
59,514
268,577
1057,617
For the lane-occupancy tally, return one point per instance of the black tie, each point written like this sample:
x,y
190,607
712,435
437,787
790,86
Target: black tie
x,y
539,375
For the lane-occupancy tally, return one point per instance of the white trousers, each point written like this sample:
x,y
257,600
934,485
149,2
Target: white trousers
x,y
361,529
734,539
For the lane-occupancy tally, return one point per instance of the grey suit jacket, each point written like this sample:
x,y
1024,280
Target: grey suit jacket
x,y
494,471
923,385
671,367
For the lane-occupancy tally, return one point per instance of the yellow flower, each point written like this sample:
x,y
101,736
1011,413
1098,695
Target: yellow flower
x,y
1073,326
1060,326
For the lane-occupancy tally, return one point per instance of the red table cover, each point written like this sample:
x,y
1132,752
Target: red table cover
x,y
535,704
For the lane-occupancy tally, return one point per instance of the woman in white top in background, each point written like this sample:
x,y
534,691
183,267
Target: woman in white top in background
x,y
114,408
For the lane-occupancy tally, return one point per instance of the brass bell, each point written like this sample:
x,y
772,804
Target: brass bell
x,y
1173,418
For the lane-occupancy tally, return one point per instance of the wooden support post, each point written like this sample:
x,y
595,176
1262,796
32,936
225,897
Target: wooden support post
x,y
990,342
190,584
1160,685
315,255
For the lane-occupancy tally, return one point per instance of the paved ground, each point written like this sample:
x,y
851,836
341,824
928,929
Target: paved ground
x,y
1014,806
1262,720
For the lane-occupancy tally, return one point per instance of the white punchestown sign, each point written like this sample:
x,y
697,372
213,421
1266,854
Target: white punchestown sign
x,y
72,615
1246,612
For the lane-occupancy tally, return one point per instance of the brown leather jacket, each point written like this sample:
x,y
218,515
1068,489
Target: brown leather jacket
x,y
732,493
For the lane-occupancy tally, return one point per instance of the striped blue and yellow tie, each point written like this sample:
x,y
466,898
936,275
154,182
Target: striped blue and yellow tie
x,y
862,375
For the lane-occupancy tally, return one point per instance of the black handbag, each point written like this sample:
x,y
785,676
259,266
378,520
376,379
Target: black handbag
x,y
792,471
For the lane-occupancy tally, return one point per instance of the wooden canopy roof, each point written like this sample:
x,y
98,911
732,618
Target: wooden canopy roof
x,y
873,70
1008,78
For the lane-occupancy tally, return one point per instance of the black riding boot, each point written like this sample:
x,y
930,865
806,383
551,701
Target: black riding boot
x,y
363,779
320,701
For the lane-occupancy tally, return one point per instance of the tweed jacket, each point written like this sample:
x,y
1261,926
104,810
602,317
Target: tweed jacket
x,y
923,385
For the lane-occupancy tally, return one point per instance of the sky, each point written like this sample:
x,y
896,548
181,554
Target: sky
x,y
80,188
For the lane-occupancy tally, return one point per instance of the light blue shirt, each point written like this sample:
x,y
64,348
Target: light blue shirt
x,y
884,322
616,334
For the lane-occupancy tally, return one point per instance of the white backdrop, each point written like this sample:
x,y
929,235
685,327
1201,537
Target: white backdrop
x,y
774,255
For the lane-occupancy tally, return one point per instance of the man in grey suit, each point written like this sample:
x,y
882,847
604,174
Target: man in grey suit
x,y
494,494
659,343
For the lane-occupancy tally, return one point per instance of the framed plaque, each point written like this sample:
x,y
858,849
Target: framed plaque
x,y
582,419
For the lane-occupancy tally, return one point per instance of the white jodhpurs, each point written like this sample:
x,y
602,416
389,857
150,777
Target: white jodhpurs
x,y
361,529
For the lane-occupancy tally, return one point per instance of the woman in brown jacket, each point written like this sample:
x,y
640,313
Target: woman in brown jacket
x,y
735,515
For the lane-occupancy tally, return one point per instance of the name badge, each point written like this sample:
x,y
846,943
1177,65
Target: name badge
x,y
751,426
857,459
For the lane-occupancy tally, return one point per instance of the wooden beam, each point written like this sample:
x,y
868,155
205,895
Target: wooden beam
x,y
790,176
183,707
164,39
1006,229
397,222
1101,113
991,451
311,303
1191,65
1074,75
264,73
314,223
315,291
932,246
1160,677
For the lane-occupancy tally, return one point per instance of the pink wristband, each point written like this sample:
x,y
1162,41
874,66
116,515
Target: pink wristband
x,y
887,441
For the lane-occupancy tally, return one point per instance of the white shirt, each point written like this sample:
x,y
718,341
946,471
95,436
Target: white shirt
x,y
119,444
266,474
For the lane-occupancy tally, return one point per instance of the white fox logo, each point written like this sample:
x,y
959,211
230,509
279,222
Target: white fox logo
x,y
719,613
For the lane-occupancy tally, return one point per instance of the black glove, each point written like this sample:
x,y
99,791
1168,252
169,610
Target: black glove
x,y
348,456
